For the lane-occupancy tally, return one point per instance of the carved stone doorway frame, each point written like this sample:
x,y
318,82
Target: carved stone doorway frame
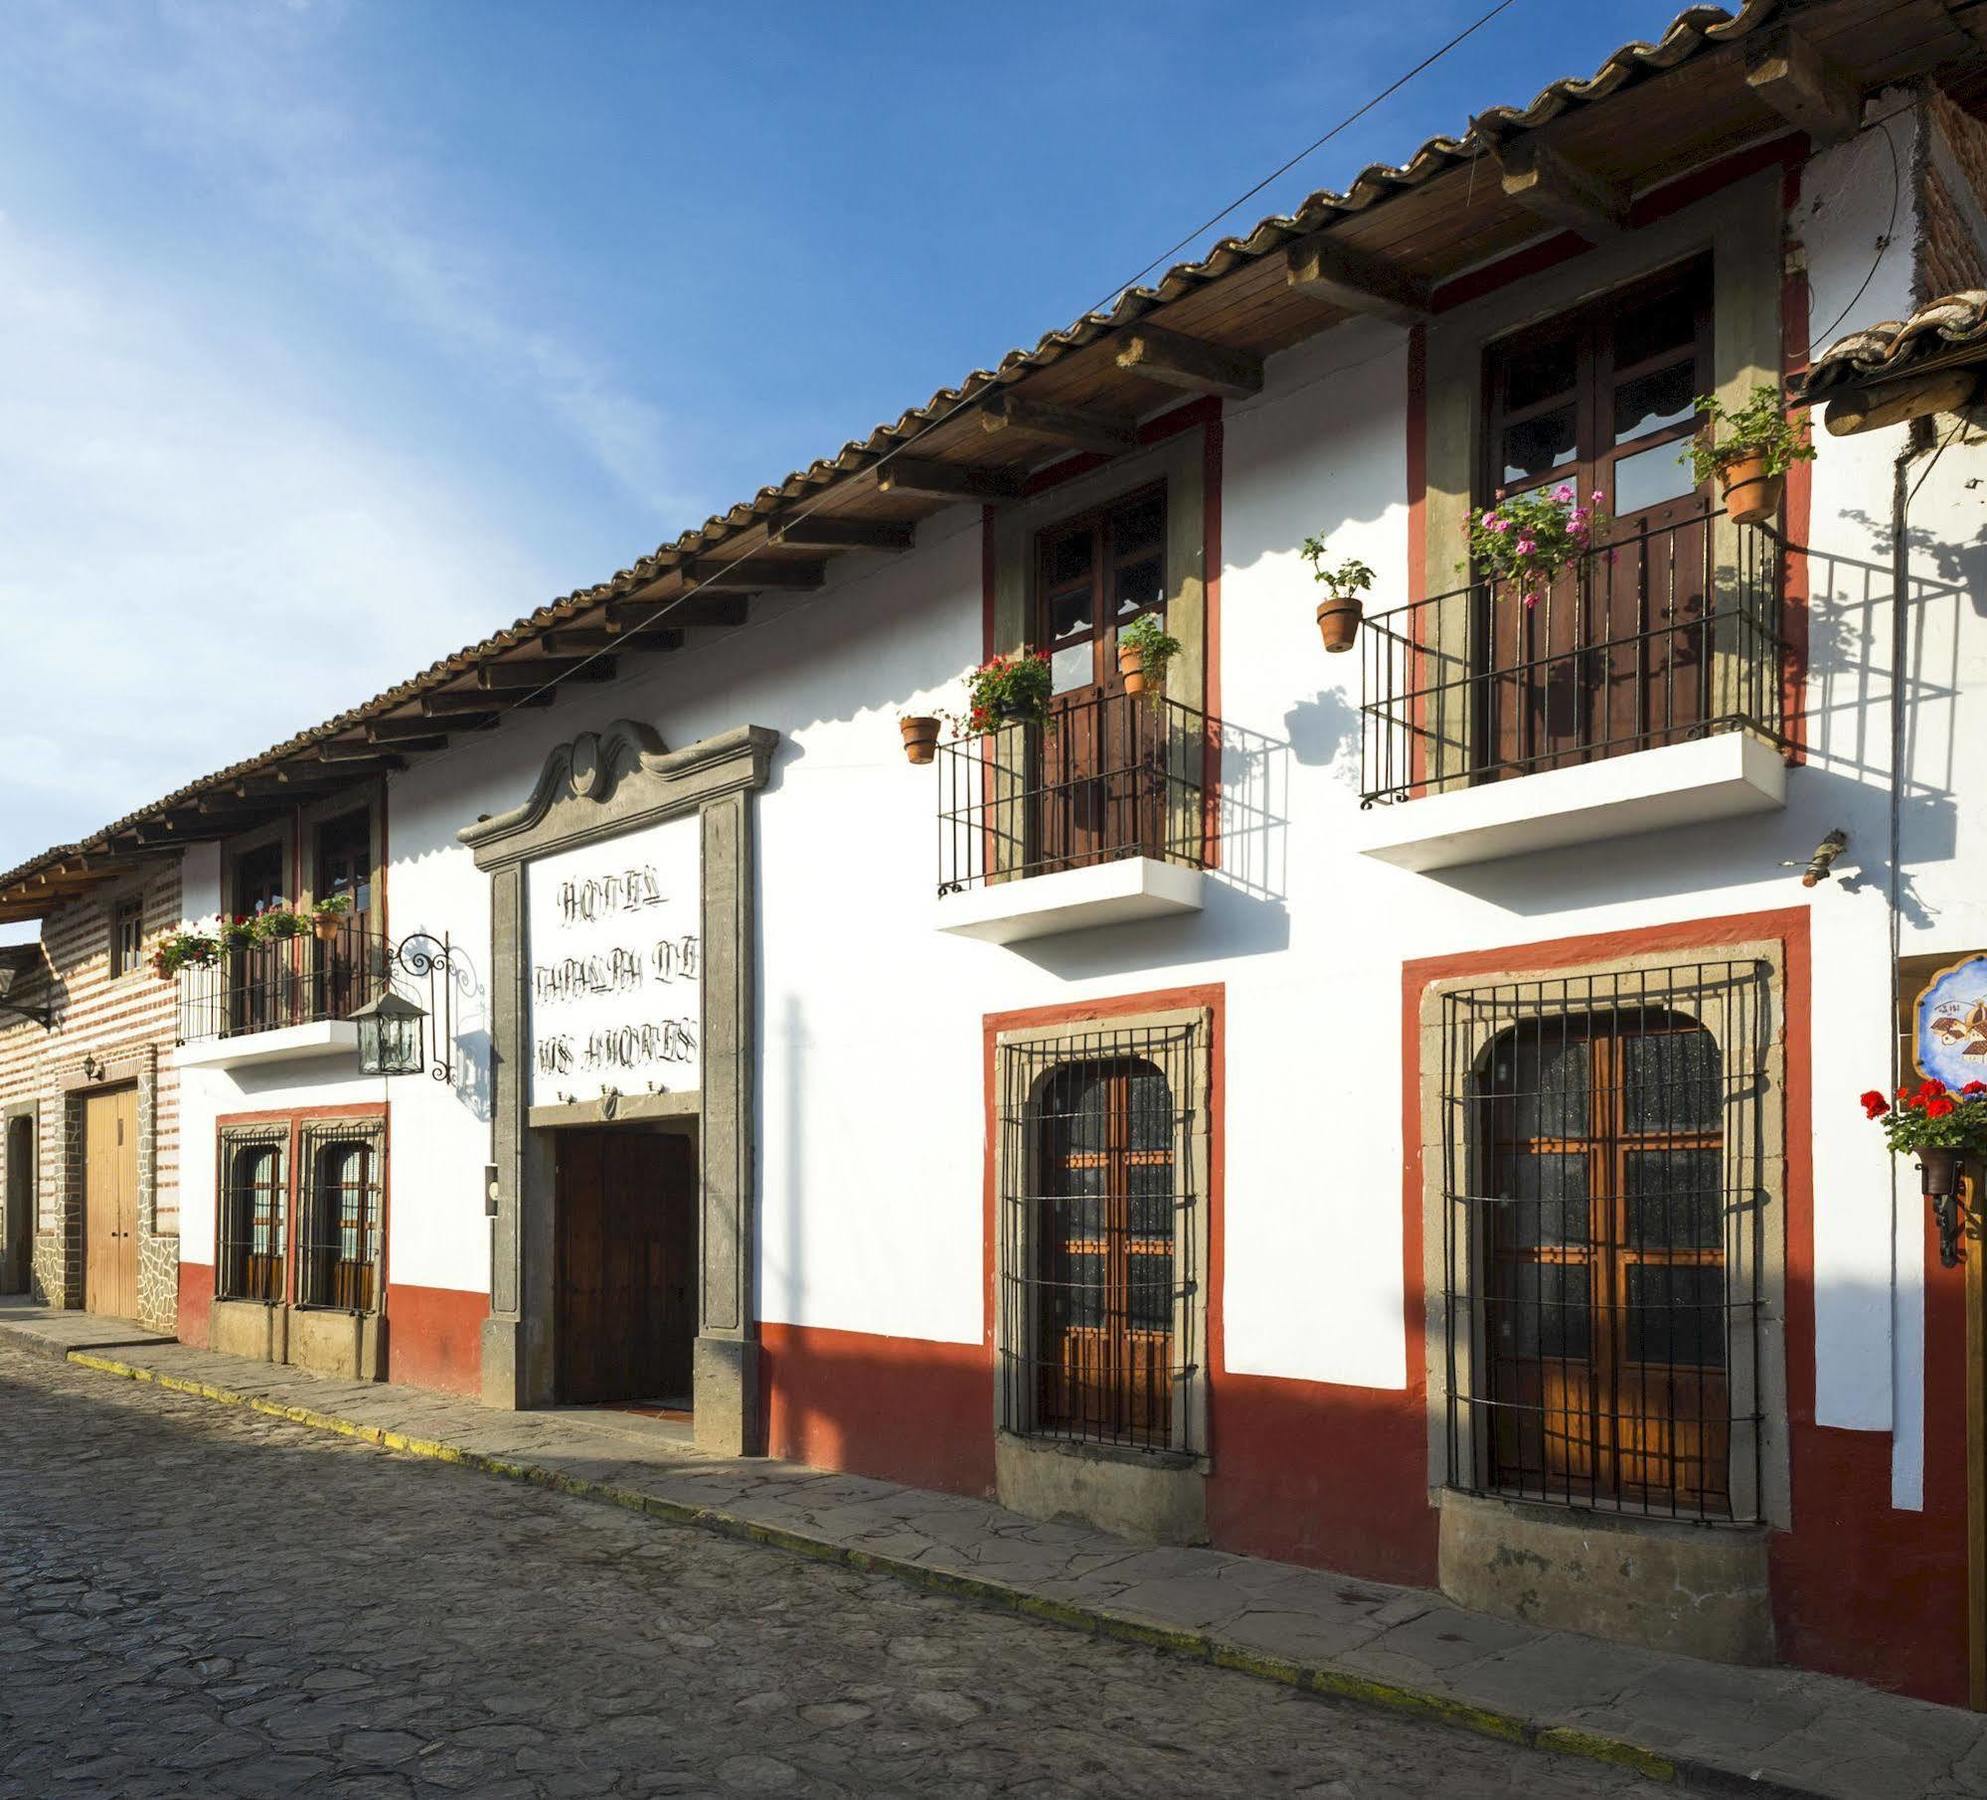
x,y
592,789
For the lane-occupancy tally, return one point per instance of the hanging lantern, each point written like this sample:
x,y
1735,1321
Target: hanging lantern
x,y
389,1035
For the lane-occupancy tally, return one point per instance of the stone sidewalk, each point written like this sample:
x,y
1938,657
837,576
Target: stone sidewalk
x,y
1718,1729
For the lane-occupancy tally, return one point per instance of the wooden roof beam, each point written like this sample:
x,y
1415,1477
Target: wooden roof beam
x,y
842,534
1803,86
451,701
1970,16
756,574
577,640
705,611
1543,181
1339,274
417,730
925,479
1008,411
1852,410
1190,363
360,759
532,672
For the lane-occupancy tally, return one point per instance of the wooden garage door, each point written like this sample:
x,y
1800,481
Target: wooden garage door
x,y
110,1203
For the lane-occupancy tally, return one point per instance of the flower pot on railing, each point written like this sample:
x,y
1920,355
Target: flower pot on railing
x,y
1750,493
1131,666
920,738
1338,620
327,926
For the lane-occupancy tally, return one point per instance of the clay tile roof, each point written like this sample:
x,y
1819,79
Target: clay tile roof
x,y
1696,32
1941,331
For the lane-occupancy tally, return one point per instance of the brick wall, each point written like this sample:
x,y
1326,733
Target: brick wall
x,y
1952,250
129,1024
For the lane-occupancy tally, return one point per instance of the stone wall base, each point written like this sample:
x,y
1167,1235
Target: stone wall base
x,y
1697,1590
1133,1493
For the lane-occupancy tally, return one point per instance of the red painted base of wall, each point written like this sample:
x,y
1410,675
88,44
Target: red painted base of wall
x,y
196,1302
1332,1476
434,1338
901,1409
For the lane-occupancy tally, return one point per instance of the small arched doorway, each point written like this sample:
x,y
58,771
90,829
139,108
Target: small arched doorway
x,y
17,1227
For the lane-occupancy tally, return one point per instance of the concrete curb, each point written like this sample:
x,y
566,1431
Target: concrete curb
x,y
1361,1690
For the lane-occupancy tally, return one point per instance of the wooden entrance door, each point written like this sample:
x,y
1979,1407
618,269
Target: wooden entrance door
x,y
1615,655
1102,786
625,1310
110,1203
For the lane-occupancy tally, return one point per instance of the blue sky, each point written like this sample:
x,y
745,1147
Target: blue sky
x,y
334,334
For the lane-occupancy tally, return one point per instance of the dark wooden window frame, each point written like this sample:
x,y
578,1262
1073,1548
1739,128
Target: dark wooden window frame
x,y
294,1133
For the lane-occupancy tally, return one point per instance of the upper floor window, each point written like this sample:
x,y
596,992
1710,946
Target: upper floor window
x,y
1602,399
344,859
1095,575
127,936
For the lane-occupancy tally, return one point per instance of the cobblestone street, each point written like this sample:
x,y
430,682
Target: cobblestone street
x,y
203,1600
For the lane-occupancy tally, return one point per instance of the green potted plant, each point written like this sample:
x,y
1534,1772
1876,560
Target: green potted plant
x,y
1342,608
920,735
1944,1130
181,950
1525,541
1011,689
1144,650
235,932
276,922
1761,443
327,916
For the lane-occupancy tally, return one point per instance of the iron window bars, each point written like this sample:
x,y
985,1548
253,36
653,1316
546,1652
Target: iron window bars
x,y
255,1191
1115,775
1667,634
1098,1234
1602,1238
341,1163
302,980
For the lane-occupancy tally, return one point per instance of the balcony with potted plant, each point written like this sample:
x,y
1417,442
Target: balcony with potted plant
x,y
1062,812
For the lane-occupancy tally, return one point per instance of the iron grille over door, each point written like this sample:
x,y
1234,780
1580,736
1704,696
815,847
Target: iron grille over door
x,y
1098,1236
1603,1207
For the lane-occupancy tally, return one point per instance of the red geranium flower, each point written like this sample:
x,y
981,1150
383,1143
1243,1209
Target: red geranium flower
x,y
1875,1105
1939,1107
1975,1087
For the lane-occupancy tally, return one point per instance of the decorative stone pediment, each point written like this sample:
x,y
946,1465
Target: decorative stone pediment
x,y
606,782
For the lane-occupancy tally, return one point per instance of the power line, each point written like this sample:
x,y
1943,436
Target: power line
x,y
661,615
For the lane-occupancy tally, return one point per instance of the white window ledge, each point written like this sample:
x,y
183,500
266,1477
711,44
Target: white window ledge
x,y
1110,893
290,1043
1718,777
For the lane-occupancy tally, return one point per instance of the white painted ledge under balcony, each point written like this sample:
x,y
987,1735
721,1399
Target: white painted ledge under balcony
x,y
1108,893
1719,777
288,1043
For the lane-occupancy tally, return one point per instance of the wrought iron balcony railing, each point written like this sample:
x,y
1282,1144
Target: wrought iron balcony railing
x,y
304,980
1664,635
1110,776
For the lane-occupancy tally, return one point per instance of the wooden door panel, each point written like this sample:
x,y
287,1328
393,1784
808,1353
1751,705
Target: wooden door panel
x,y
110,1203
625,1307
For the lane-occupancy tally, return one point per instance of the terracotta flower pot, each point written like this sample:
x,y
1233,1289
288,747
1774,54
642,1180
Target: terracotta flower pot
x,y
1338,620
1750,493
920,738
327,925
1131,665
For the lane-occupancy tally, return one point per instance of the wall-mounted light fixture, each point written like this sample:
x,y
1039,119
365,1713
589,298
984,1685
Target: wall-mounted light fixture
x,y
392,1036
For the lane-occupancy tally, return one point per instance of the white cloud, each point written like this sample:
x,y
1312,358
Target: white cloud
x,y
194,561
